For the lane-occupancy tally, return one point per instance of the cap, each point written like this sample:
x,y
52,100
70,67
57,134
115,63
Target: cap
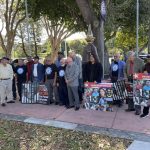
x,y
6,58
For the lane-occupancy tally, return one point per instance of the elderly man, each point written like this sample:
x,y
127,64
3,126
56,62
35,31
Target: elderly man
x,y
117,68
6,76
133,65
72,80
78,62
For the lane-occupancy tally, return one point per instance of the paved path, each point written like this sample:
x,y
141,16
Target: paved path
x,y
117,122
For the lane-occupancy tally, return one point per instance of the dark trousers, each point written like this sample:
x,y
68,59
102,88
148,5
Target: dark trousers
x,y
63,94
14,89
146,110
80,90
19,86
52,89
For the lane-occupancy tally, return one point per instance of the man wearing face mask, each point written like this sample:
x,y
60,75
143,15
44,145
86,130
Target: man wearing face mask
x,y
61,83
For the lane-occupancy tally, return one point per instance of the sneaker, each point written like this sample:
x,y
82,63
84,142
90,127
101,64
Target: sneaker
x,y
143,115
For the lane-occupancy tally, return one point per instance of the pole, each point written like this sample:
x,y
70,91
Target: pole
x,y
27,26
102,46
137,28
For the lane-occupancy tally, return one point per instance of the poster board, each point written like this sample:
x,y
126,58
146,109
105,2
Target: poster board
x,y
34,93
98,96
141,89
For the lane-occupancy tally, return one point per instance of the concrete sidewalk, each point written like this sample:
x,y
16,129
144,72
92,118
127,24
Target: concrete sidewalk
x,y
118,123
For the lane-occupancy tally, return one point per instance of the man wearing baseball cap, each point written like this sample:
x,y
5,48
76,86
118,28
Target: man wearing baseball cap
x,y
6,76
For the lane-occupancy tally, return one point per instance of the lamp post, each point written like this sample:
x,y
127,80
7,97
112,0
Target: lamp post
x,y
137,27
27,26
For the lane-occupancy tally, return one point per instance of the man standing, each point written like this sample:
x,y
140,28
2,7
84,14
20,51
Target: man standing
x,y
72,80
50,81
21,76
37,71
29,67
117,69
133,65
6,76
61,83
78,62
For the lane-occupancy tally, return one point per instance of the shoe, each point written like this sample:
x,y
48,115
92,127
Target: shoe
x,y
11,102
69,107
144,115
128,110
137,113
77,108
61,104
56,103
3,104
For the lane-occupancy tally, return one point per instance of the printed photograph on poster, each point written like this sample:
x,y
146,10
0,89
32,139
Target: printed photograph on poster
x,y
141,89
32,93
98,96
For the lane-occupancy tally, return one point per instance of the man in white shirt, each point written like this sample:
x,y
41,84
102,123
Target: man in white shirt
x,y
6,76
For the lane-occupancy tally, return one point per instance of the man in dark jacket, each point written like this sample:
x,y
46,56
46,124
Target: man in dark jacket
x,y
21,76
61,83
37,71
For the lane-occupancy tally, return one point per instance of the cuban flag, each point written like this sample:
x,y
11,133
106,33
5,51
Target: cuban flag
x,y
103,9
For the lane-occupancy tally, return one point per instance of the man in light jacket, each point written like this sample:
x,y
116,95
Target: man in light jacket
x,y
72,80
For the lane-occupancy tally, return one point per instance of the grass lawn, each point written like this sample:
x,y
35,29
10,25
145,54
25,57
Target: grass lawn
x,y
21,136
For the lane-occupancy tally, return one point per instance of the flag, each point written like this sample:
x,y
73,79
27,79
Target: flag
x,y
103,9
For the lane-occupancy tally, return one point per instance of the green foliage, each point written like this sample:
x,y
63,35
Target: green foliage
x,y
77,45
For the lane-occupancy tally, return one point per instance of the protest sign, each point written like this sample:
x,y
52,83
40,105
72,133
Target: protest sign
x,y
98,96
141,89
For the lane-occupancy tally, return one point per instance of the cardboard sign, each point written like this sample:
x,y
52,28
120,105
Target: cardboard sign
x,y
98,96
141,89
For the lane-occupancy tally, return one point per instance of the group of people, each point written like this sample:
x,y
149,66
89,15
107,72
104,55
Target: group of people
x,y
64,78
120,70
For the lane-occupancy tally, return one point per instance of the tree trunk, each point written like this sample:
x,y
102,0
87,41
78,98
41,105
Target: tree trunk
x,y
98,42
149,41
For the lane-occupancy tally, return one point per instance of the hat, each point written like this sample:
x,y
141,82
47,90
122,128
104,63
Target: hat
x,y
6,58
36,57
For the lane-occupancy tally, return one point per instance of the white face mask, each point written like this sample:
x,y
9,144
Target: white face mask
x,y
62,65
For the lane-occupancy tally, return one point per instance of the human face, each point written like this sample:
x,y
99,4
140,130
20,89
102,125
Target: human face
x,y
102,93
4,62
48,61
148,83
36,61
69,60
20,62
63,61
116,57
92,59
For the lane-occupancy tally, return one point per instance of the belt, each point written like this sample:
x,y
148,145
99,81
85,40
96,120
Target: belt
x,y
5,79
